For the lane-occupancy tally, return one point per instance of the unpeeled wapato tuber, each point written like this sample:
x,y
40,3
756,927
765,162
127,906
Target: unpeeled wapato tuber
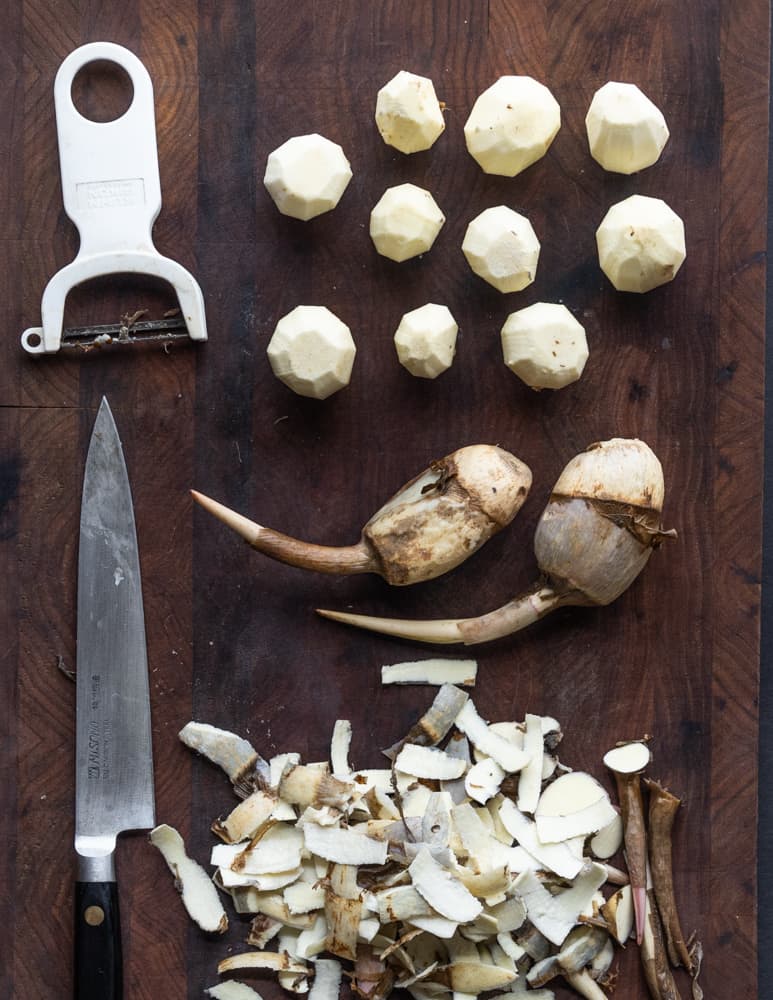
x,y
427,528
593,539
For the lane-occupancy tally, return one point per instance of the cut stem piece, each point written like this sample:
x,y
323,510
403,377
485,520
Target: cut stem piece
x,y
662,813
626,763
654,956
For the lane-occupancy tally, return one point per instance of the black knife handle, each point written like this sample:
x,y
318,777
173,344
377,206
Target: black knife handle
x,y
98,963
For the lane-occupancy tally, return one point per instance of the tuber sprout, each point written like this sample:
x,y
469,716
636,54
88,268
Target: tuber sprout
x,y
430,526
594,538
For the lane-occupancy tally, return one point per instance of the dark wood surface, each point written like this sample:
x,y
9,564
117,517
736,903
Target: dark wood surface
x,y
232,637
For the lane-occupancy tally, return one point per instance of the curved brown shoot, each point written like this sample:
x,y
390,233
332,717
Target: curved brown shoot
x,y
305,555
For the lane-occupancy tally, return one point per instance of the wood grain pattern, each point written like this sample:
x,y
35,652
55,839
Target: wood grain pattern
x,y
232,638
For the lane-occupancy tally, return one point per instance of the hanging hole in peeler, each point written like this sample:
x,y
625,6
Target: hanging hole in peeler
x,y
102,91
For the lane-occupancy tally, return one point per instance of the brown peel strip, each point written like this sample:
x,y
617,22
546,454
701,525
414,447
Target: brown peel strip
x,y
657,971
635,834
662,813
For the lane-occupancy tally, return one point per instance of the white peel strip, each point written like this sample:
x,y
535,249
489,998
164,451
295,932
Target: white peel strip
x,y
483,780
269,882
223,748
278,961
339,748
344,846
432,671
552,829
530,779
232,990
557,857
311,941
198,892
428,762
245,819
279,764
303,897
327,980
442,890
555,915
440,927
508,756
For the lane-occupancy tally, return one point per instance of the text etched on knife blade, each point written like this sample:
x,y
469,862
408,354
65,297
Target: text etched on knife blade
x,y
99,737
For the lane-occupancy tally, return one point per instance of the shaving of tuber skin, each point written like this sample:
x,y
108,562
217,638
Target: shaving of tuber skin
x,y
199,895
595,536
422,882
426,529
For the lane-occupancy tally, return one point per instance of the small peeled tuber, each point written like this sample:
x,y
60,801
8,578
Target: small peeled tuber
x,y
408,113
544,345
502,248
306,176
426,340
594,538
511,125
312,352
641,244
405,222
430,526
626,131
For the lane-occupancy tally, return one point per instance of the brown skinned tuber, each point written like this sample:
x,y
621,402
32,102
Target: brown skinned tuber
x,y
594,538
427,528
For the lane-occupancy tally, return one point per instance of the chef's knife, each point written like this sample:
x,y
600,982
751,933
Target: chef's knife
x,y
114,763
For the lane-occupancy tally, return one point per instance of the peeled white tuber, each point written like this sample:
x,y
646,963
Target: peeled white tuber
x,y
426,340
626,131
306,176
312,352
594,538
544,345
502,248
430,526
641,244
408,113
511,125
405,222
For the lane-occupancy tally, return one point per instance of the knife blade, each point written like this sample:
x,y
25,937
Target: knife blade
x,y
113,753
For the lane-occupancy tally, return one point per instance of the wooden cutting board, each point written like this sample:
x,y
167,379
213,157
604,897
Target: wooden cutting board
x,y
233,639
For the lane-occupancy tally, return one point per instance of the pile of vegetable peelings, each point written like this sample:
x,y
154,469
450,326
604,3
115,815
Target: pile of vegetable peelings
x,y
476,861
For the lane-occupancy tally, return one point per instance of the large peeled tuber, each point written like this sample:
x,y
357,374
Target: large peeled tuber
x,y
430,526
594,538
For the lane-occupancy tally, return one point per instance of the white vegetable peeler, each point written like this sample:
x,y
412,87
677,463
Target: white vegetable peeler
x,y
112,192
